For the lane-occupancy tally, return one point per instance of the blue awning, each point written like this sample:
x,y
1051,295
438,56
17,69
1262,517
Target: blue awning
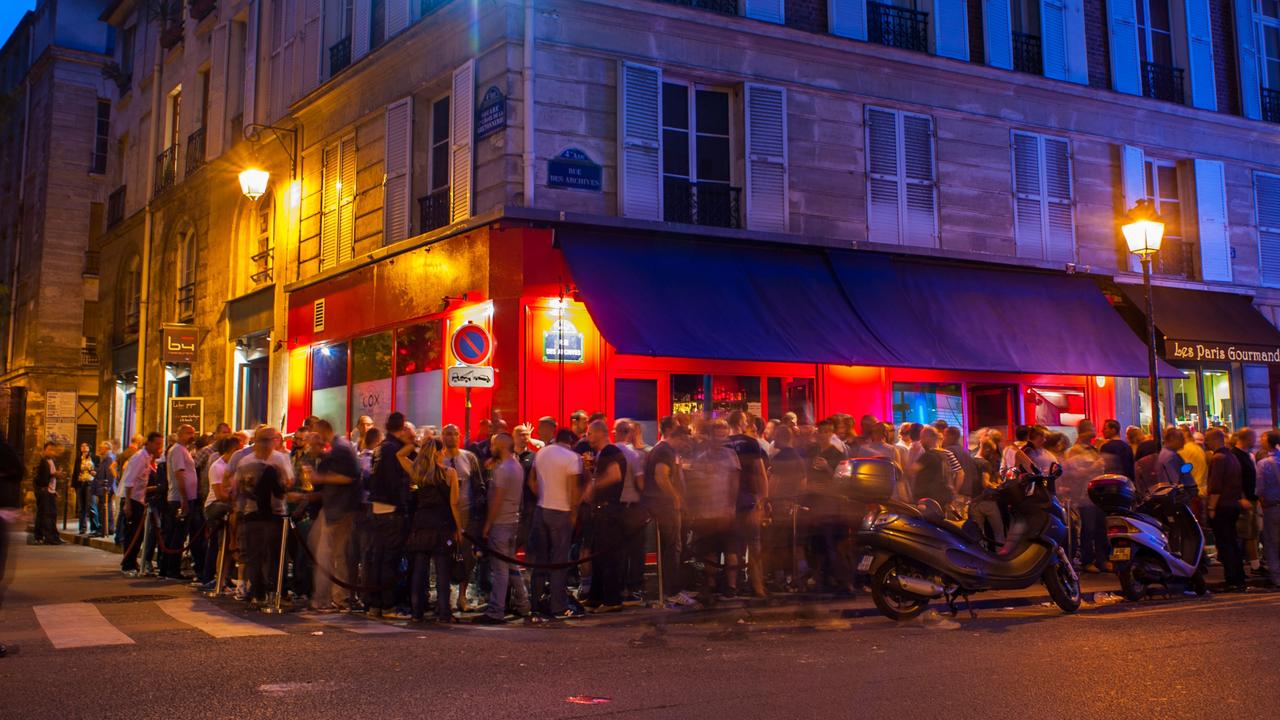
x,y
991,319
667,296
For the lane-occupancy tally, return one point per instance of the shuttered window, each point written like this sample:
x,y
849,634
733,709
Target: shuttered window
x,y
1044,223
640,137
901,187
767,10
462,134
766,151
1266,198
337,219
399,158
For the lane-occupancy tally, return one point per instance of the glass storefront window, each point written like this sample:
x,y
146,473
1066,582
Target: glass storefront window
x,y
371,377
791,395
420,374
1217,397
715,395
1058,409
329,384
687,394
926,403
1185,399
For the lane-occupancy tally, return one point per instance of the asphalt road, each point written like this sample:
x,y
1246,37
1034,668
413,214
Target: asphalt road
x,y
1217,657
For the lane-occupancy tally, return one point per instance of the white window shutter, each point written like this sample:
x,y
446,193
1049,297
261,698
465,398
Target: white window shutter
x,y
312,42
330,191
1059,215
346,245
766,151
1028,194
461,132
1247,64
1077,42
251,63
997,33
640,141
1122,30
847,18
951,29
216,124
399,163
767,10
883,175
1133,183
1266,200
1204,93
1211,220
360,24
920,211
397,14
1053,38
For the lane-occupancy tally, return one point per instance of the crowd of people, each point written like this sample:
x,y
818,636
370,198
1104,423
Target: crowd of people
x,y
548,522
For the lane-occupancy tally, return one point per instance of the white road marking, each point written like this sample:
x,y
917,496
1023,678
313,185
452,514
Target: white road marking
x,y
203,615
354,624
76,625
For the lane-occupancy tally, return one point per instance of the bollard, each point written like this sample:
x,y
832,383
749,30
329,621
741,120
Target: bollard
x,y
219,575
284,537
662,595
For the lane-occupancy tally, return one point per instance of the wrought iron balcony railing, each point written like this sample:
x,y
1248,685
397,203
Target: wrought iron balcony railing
x,y
1162,82
339,55
262,266
702,203
1271,105
433,210
898,26
1027,54
725,7
186,302
115,206
166,169
195,151
1176,257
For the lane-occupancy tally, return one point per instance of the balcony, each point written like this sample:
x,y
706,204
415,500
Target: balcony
x,y
898,27
1177,257
186,302
724,7
201,9
1162,82
262,266
705,203
89,356
339,55
115,207
166,169
195,151
1271,105
433,211
1027,55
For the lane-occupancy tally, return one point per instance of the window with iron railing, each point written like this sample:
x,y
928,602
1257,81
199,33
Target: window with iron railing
x,y
702,203
433,210
195,151
339,55
899,27
166,169
1162,82
115,206
725,7
1027,54
261,266
186,301
1271,105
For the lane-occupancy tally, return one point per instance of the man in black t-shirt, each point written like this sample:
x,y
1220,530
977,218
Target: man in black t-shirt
x,y
931,470
338,477
608,466
752,489
663,497
1117,456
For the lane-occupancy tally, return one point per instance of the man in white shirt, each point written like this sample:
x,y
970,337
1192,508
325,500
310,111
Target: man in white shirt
x,y
556,480
217,505
183,517
633,515
134,481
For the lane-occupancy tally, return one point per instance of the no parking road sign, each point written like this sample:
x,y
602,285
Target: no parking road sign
x,y
472,344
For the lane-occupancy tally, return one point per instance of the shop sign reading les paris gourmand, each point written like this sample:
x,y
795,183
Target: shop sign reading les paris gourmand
x,y
1196,351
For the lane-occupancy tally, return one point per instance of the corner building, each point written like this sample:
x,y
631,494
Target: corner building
x,y
911,210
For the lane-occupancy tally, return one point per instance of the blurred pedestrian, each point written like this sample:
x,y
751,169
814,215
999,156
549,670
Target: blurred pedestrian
x,y
1117,454
556,480
11,474
1268,490
134,481
1224,504
499,531
435,528
45,488
340,491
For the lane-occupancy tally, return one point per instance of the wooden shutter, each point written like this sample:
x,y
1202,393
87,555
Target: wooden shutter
x,y
997,33
251,64
1122,29
1059,215
1204,92
399,162
347,199
1028,195
461,160
1077,44
1211,220
640,141
360,24
920,217
951,29
311,59
767,10
330,192
1133,178
847,18
884,222
766,151
1247,64
1053,38
397,14
215,125
1266,199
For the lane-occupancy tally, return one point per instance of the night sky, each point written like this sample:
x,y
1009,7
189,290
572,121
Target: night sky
x,y
11,12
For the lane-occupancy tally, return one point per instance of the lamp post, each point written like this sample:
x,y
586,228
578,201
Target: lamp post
x,y
1143,233
253,181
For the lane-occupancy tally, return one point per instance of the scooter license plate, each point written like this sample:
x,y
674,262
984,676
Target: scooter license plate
x,y
1121,553
865,563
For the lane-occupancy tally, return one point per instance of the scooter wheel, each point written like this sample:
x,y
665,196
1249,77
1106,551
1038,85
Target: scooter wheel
x,y
1198,584
1131,587
890,600
1063,586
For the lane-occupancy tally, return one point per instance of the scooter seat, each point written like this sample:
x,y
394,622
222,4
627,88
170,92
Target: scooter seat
x,y
966,529
1143,517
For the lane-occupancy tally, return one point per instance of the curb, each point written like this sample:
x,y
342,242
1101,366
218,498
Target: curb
x,y
97,543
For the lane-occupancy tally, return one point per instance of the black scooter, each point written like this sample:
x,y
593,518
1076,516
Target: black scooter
x,y
916,555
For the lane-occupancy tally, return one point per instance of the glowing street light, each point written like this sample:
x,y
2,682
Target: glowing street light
x,y
253,182
1143,233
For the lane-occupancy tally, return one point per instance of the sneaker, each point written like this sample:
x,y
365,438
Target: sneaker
x,y
572,614
487,619
395,615
602,609
633,599
683,598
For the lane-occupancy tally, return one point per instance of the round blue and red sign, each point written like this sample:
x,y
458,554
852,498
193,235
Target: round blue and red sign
x,y
472,344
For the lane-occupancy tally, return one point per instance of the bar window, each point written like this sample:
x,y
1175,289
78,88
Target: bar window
x,y
371,377
927,403
329,385
420,374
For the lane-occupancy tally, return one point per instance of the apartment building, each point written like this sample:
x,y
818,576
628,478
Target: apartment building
x,y
910,209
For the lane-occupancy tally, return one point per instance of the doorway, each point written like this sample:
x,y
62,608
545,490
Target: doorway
x,y
992,406
637,400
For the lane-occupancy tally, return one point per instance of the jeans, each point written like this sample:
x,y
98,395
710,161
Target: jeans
x,y
132,516
609,552
261,554
118,525
330,543
1223,523
386,542
670,540
633,521
215,517
442,558
549,542
1094,547
1271,541
90,516
177,532
502,538
47,517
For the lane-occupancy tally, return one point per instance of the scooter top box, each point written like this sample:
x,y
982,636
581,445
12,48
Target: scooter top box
x,y
867,479
1111,492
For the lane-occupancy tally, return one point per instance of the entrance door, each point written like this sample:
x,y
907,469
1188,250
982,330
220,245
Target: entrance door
x,y
252,403
992,406
637,400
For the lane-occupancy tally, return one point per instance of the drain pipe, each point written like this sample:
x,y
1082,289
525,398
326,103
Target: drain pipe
x,y
148,234
530,171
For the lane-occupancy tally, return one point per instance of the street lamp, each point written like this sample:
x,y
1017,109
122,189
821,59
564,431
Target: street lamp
x,y
253,183
1143,233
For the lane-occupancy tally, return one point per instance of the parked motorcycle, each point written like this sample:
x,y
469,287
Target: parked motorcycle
x,y
916,555
1158,543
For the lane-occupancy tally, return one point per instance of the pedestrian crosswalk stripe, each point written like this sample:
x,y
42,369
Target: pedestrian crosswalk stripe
x,y
354,625
203,615
76,625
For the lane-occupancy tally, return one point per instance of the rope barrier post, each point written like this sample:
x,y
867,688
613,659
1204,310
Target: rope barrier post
x,y
795,558
219,576
275,609
662,595
147,532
